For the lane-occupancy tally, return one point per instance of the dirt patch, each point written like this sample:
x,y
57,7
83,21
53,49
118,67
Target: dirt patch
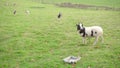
x,y
83,6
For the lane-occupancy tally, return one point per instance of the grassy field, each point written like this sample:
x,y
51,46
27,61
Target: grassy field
x,y
40,40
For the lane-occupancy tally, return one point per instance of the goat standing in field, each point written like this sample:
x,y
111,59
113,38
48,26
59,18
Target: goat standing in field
x,y
59,15
27,12
93,31
14,12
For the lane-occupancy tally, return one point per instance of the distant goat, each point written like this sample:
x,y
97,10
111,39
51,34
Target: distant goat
x,y
59,15
14,12
93,31
27,12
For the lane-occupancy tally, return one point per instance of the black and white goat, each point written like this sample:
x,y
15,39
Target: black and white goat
x,y
93,31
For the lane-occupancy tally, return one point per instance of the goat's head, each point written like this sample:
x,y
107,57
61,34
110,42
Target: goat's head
x,y
79,26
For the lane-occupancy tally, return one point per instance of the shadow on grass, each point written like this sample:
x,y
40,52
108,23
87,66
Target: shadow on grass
x,y
82,45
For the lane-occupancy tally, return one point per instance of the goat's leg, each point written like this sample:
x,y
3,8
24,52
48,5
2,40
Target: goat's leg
x,y
96,39
84,40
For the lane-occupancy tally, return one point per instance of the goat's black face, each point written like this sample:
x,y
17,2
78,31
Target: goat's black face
x,y
79,26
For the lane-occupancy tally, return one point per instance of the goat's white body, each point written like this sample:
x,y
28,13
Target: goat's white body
x,y
97,29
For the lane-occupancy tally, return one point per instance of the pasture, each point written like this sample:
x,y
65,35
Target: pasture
x,y
40,40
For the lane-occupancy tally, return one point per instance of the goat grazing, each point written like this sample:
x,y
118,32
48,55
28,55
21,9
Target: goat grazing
x,y
93,31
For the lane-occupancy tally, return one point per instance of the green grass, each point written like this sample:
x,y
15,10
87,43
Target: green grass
x,y
39,40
